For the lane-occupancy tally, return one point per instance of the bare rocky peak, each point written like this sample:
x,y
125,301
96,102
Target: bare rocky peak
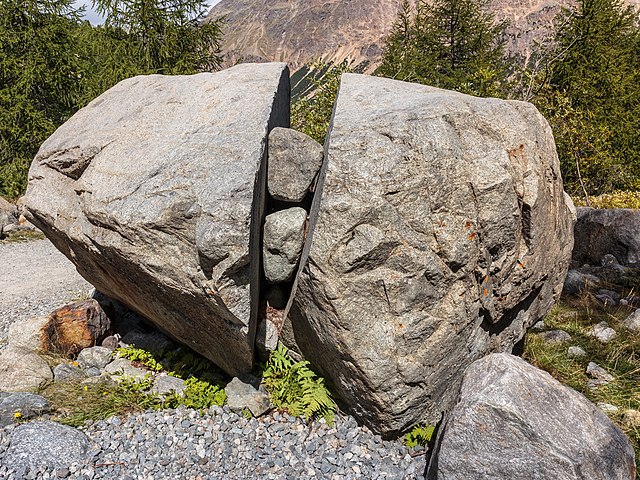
x,y
301,31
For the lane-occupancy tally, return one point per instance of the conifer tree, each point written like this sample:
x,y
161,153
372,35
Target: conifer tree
x,y
452,44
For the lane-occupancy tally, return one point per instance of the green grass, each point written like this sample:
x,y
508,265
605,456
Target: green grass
x,y
619,357
22,236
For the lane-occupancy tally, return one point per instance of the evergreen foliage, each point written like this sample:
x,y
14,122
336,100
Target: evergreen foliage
x,y
452,44
592,98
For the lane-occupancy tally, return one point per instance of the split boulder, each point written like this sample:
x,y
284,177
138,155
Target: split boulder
x,y
156,190
430,244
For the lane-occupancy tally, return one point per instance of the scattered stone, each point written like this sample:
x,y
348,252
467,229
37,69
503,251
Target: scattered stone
x,y
241,395
511,423
46,443
8,214
609,293
402,229
606,300
538,326
282,243
155,342
76,326
92,372
632,322
94,357
111,342
597,372
602,232
26,404
165,384
602,332
65,372
594,384
576,352
294,161
158,206
28,334
22,370
631,418
608,259
577,282
607,407
121,368
555,336
103,378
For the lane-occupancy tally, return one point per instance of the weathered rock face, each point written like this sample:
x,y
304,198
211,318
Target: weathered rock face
x,y
515,422
156,190
608,231
439,234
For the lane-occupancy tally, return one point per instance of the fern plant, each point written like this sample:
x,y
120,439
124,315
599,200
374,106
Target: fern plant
x,y
294,387
419,435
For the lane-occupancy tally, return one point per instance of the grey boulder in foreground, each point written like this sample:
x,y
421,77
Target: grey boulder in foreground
x,y
440,232
156,191
515,422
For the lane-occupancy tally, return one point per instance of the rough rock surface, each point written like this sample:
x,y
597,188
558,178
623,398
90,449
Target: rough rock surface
x,y
607,231
26,404
94,357
155,191
8,214
283,241
22,370
29,334
241,395
46,443
515,422
632,322
430,244
76,326
294,161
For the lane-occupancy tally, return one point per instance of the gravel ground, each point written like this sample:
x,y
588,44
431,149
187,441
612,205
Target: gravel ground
x,y
185,444
35,279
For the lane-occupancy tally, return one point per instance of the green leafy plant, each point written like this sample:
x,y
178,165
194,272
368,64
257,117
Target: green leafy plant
x,y
296,388
139,355
420,435
200,394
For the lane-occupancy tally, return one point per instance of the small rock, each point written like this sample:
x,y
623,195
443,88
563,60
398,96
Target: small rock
x,y
607,407
594,384
267,336
164,384
96,357
576,282
631,418
606,300
538,326
77,326
602,332
92,372
597,372
22,370
294,162
111,342
101,379
28,334
62,472
610,293
155,342
555,336
8,214
121,367
283,241
576,352
27,404
65,372
46,443
632,322
241,395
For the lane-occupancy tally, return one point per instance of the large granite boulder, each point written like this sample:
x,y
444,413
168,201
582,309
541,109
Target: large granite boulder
x,y
515,422
440,233
156,191
607,231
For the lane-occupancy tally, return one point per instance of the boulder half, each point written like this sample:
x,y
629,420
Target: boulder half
x,y
156,192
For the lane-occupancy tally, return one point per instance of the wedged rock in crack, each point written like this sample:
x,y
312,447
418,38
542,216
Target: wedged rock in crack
x,y
283,240
602,232
155,191
294,162
439,234
516,422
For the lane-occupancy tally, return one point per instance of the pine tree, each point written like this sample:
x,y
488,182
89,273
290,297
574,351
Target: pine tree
x,y
452,44
38,81
596,81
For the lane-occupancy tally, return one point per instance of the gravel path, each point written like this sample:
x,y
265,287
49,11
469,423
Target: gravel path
x,y
185,444
35,279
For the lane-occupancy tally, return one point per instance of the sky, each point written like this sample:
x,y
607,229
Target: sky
x,y
95,19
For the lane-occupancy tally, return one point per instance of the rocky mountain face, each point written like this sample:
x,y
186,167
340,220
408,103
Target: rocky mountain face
x,y
300,31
